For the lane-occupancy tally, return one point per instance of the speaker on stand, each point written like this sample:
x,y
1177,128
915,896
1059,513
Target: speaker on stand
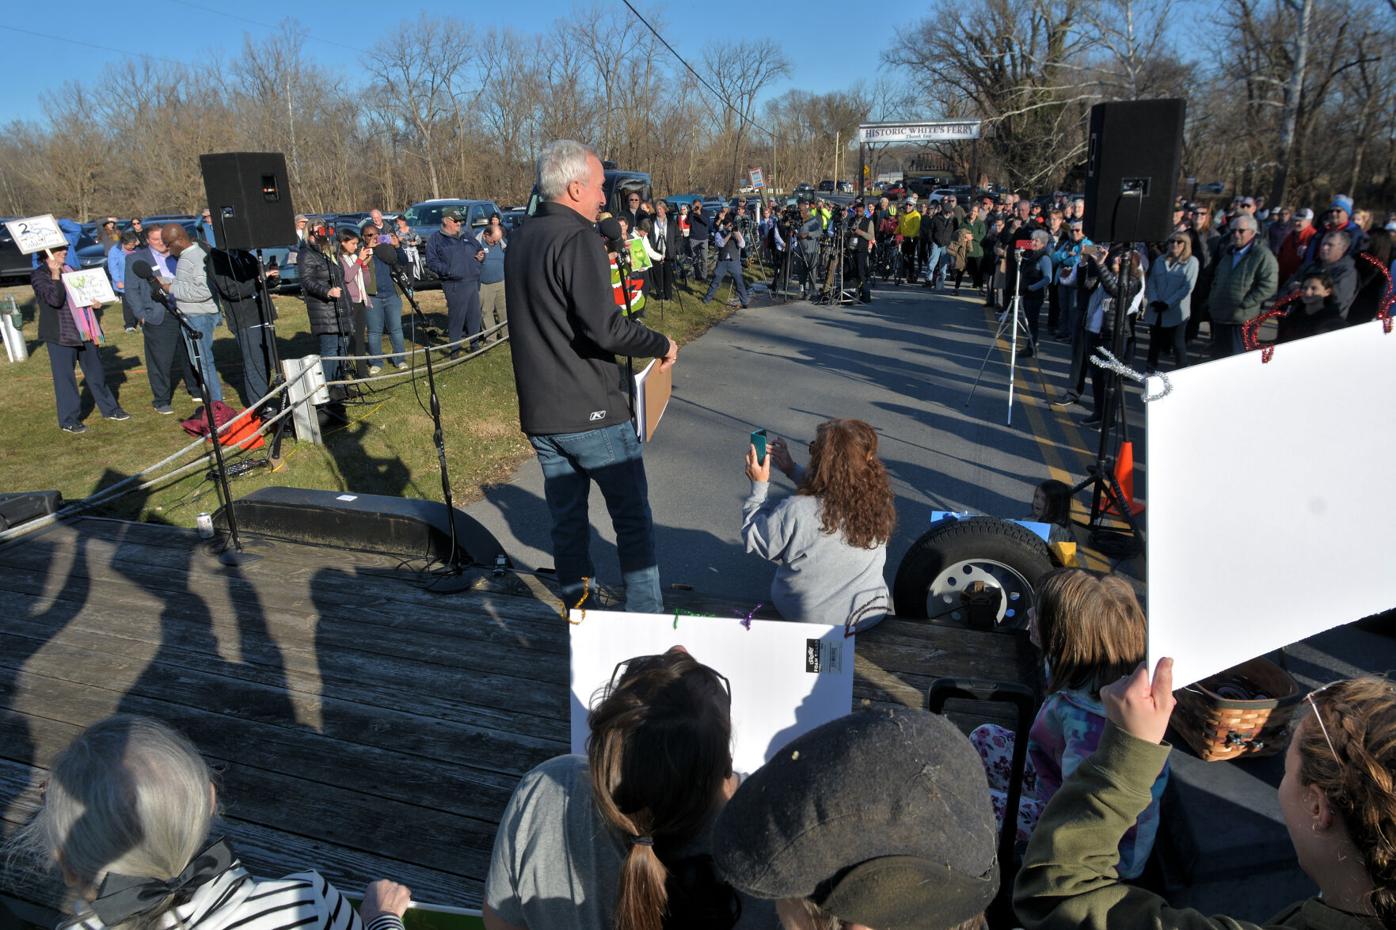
x,y
249,197
1135,147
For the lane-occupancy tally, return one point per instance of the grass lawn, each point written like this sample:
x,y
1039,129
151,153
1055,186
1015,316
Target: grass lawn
x,y
385,449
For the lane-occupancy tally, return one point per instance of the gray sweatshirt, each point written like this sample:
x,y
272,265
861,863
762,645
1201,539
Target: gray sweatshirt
x,y
190,288
819,578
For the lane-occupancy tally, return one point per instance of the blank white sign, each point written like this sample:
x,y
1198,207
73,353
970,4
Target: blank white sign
x,y
1271,510
786,678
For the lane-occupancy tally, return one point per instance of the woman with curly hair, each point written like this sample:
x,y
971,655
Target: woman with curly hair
x,y
829,540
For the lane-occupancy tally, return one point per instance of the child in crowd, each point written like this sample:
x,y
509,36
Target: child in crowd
x,y
127,817
1315,312
1091,631
1336,798
616,839
1051,504
829,540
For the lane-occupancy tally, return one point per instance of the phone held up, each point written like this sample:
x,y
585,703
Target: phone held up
x,y
758,439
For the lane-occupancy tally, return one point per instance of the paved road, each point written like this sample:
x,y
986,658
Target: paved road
x,y
905,363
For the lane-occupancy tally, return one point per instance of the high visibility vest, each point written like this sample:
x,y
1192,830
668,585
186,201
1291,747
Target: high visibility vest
x,y
636,288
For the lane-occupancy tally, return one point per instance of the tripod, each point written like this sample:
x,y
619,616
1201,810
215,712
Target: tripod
x,y
233,553
438,438
1106,493
1012,318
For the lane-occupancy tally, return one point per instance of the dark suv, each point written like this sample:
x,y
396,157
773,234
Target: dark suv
x,y
618,185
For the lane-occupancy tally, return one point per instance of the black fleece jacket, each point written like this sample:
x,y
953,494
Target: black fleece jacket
x,y
564,330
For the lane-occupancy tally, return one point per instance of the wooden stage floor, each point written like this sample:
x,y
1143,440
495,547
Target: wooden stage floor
x,y
358,723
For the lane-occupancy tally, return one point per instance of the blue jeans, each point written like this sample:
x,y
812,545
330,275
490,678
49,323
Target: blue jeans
x,y
933,255
733,269
384,315
611,457
205,324
331,344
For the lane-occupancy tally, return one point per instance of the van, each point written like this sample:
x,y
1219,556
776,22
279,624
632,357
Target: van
x,y
618,185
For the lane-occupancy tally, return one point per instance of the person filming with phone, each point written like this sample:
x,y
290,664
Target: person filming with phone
x,y
565,336
829,540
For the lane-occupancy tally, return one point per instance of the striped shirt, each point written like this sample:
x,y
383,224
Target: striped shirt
x,y
237,901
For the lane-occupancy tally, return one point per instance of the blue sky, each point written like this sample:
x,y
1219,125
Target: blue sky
x,y
187,30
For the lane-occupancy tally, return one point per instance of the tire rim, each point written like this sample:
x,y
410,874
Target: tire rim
x,y
944,600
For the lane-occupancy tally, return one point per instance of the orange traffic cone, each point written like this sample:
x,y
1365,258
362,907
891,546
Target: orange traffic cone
x,y
1124,476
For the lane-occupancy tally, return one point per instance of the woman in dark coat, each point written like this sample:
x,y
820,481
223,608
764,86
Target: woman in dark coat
x,y
72,335
322,286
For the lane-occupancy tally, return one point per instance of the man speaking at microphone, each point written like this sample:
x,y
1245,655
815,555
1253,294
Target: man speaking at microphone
x,y
564,336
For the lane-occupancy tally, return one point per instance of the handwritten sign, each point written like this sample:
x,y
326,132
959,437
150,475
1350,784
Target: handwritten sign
x,y
89,286
36,233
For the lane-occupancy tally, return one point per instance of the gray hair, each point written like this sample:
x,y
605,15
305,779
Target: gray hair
x,y
1339,234
1041,235
128,795
561,163
1245,221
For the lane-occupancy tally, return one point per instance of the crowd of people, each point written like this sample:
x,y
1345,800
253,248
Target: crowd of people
x,y
884,818
880,819
346,279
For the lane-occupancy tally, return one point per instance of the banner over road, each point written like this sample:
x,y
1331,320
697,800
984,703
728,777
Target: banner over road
x,y
936,131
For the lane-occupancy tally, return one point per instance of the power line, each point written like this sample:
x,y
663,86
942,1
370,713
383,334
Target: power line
x,y
102,48
701,80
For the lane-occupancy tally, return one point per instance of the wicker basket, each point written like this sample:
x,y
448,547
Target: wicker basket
x,y
1219,727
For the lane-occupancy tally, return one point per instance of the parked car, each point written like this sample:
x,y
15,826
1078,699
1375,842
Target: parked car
x,y
513,218
894,190
835,187
283,258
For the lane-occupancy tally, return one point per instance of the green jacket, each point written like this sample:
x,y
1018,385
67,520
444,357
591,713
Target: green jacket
x,y
1238,292
1068,879
976,250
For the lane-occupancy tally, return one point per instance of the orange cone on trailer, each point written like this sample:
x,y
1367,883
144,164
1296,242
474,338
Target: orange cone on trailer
x,y
1124,475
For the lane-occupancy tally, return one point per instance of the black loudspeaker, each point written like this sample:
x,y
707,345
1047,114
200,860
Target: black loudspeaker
x,y
1132,169
249,196
24,506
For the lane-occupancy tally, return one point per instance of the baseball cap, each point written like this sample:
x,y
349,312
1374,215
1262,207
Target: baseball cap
x,y
1342,202
881,818
1303,213
453,215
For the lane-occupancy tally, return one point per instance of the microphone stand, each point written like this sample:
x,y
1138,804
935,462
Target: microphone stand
x,y
623,274
232,554
438,437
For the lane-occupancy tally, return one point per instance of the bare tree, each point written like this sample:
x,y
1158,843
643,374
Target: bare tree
x,y
418,70
739,72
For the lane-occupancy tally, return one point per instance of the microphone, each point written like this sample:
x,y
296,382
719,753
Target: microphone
x,y
386,254
610,229
142,269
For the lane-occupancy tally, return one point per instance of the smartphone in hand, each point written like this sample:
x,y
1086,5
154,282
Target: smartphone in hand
x,y
758,439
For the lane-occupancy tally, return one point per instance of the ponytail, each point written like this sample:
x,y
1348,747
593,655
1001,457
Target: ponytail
x,y
659,753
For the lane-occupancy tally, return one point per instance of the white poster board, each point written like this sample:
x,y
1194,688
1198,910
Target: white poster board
x,y
1271,516
36,233
786,678
89,286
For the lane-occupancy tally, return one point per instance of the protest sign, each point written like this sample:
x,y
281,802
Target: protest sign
x,y
89,286
1268,515
786,678
36,233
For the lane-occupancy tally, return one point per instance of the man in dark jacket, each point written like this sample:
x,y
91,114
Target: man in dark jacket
x,y
456,259
234,275
699,231
565,335
166,359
